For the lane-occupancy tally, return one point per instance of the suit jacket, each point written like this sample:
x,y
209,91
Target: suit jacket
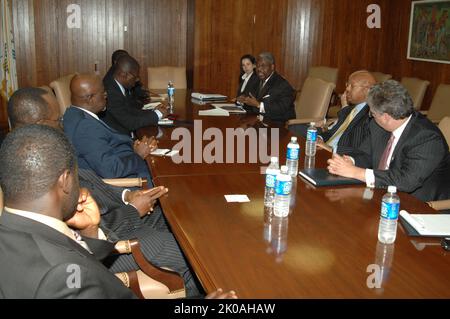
x,y
356,132
278,97
37,261
102,149
124,113
251,87
420,163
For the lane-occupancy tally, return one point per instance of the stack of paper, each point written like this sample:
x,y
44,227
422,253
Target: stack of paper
x,y
231,108
435,225
213,112
208,97
151,106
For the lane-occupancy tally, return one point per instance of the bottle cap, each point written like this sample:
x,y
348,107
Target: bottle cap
x,y
293,139
313,123
274,159
284,169
392,189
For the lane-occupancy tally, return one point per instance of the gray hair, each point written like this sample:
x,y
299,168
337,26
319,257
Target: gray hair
x,y
392,98
267,56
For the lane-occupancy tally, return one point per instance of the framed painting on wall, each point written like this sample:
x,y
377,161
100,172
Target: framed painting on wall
x,y
429,31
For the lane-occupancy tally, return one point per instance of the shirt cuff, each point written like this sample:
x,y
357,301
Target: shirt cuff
x,y
160,115
370,178
261,108
123,196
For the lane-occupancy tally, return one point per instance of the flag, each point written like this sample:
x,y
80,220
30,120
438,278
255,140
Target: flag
x,y
8,75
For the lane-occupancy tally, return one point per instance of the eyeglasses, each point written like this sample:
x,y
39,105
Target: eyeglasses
x,y
351,85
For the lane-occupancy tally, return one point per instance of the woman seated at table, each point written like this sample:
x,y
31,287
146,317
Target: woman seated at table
x,y
248,80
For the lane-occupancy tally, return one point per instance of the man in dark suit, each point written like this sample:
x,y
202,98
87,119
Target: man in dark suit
x,y
100,147
404,148
41,257
124,221
274,97
124,113
352,126
141,94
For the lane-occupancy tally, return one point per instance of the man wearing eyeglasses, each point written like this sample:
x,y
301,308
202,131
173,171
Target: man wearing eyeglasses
x,y
123,111
352,126
404,148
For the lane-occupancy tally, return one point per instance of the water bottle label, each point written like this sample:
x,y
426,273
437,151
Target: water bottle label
x,y
312,135
170,91
283,187
390,210
292,153
270,180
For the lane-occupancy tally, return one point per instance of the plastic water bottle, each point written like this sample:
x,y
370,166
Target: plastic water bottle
x,y
390,206
271,177
293,153
171,95
283,187
311,139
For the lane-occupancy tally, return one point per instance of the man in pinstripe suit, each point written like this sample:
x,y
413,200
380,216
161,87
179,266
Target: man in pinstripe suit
x,y
36,106
404,148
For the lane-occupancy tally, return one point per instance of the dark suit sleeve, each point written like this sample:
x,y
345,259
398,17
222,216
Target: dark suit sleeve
x,y
279,105
57,283
420,159
128,116
92,144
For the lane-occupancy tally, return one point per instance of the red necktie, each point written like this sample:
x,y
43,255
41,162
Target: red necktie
x,y
384,165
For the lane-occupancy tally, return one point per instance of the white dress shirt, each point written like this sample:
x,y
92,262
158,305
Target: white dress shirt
x,y
245,77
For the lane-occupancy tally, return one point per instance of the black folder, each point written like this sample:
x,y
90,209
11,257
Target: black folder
x,y
321,177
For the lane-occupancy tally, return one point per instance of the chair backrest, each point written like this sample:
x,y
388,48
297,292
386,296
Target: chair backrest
x,y
48,89
325,73
61,87
158,77
314,99
440,106
444,126
416,88
381,77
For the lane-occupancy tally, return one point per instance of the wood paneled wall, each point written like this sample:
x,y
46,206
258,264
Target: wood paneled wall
x,y
209,37
47,49
303,33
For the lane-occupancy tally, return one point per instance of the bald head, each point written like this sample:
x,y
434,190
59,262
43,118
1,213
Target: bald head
x,y
358,85
88,92
33,106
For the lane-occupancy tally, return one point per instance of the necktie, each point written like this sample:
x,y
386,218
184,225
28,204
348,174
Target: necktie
x,y
261,85
343,127
384,165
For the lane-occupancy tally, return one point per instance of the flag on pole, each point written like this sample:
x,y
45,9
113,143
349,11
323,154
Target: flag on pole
x,y
8,75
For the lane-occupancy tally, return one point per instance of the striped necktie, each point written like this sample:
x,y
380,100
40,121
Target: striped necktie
x,y
343,126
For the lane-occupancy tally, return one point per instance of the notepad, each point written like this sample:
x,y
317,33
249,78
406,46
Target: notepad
x,y
150,106
213,112
231,108
208,97
321,177
431,225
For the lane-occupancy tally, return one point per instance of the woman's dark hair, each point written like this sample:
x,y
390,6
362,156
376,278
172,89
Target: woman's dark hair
x,y
246,56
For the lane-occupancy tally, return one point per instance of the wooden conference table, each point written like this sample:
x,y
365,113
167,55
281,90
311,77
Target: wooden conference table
x,y
326,248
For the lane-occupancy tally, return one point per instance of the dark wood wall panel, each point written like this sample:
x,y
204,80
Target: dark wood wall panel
x,y
47,48
226,30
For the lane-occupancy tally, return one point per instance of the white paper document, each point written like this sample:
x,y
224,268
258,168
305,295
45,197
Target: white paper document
x,y
210,97
230,108
213,112
428,224
151,106
165,152
165,121
237,198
